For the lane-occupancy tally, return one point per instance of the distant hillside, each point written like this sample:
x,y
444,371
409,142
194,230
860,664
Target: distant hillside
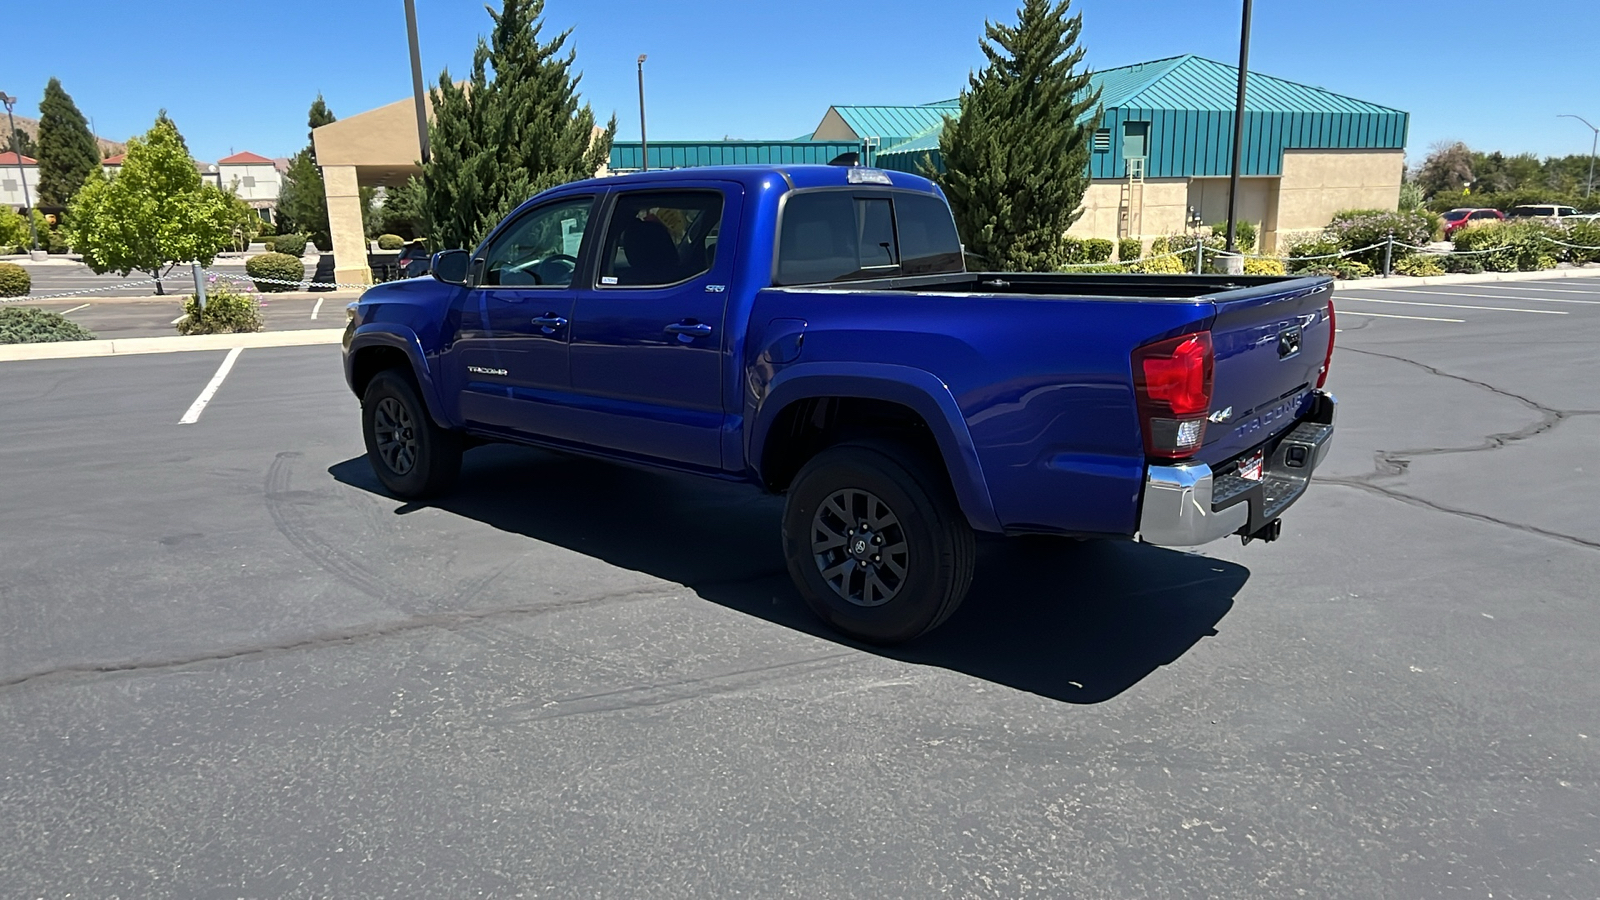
x,y
30,127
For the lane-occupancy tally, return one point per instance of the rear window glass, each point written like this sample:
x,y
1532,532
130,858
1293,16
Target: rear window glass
x,y
928,241
1455,214
835,236
829,236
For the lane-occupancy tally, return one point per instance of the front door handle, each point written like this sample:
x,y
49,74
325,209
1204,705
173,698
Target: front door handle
x,y
694,329
549,322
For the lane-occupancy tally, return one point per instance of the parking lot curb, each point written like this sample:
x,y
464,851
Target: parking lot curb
x,y
1481,278
131,346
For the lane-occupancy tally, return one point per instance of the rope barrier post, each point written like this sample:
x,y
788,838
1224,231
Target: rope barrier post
x,y
199,286
1199,254
1388,255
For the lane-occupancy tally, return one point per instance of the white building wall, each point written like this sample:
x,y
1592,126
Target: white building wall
x,y
255,182
11,182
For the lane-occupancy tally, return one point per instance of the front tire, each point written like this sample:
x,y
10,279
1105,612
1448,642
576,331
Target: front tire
x,y
412,456
876,542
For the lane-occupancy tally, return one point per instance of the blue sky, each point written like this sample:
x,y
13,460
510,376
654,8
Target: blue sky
x,y
1490,73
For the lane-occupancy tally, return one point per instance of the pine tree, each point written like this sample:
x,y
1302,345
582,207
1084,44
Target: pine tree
x,y
68,153
498,142
1017,159
318,116
24,143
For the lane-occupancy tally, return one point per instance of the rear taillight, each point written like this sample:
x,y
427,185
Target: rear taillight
x,y
1172,380
1327,359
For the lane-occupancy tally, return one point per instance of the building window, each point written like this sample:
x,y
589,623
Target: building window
x,y
1102,140
10,185
248,181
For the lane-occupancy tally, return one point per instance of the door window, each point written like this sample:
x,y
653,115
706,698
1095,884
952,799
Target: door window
x,y
541,248
660,238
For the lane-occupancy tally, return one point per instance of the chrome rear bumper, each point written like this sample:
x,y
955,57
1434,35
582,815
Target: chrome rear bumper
x,y
1181,501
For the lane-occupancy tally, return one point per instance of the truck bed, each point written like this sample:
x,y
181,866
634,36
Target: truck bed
x,y
1066,284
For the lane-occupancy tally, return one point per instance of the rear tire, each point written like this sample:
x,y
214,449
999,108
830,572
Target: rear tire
x,y
876,541
410,454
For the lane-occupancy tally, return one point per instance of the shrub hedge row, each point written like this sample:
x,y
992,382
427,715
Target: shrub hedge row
x,y
280,266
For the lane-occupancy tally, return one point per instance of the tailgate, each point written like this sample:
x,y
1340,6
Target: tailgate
x,y
1270,344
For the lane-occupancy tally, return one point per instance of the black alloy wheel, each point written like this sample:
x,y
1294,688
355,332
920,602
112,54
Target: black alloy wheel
x,y
409,452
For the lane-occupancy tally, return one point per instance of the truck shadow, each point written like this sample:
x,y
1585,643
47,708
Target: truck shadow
x,y
1074,621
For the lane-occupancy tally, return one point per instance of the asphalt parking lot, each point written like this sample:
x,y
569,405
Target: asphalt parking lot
x,y
114,317
230,666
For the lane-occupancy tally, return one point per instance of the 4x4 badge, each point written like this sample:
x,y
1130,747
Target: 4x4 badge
x,y
1221,415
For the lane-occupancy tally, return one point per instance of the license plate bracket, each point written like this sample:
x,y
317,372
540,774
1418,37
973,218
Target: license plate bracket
x,y
1250,467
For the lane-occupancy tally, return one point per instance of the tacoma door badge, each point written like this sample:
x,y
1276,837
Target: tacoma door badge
x,y
480,370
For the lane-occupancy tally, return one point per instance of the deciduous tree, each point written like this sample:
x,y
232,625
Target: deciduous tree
x,y
1017,158
152,214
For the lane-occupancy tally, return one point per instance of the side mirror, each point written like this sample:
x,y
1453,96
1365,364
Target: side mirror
x,y
450,266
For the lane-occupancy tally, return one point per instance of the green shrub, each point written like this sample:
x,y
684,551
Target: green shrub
x,y
1462,265
1585,235
280,266
1244,234
1512,246
292,244
1129,249
13,229
1349,268
1303,255
55,241
226,312
390,242
267,229
1360,229
28,325
1158,263
14,280
1097,250
1264,266
1420,265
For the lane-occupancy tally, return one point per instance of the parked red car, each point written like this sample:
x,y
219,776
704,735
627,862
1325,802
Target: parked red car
x,y
1456,219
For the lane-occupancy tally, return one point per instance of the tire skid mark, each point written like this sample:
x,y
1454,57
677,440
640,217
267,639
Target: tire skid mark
x,y
1393,463
289,517
676,691
438,622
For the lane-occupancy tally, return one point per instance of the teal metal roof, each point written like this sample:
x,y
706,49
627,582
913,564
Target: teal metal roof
x,y
1194,83
894,124
684,154
907,156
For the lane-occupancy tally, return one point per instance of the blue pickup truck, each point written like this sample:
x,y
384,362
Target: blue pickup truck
x,y
813,331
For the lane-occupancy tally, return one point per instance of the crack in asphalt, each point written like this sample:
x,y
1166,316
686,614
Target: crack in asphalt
x,y
1393,463
439,621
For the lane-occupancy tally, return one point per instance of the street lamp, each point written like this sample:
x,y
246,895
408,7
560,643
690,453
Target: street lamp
x,y
416,80
22,173
1238,126
644,143
1589,185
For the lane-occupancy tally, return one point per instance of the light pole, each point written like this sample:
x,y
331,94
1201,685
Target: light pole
x,y
1238,126
1593,145
22,173
416,79
644,143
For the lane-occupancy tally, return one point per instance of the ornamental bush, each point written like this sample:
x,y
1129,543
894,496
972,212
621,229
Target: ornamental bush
x,y
291,244
28,325
14,280
390,242
1244,234
1264,266
1129,249
1511,246
226,312
279,266
1420,265
1367,230
1097,250
1585,236
1303,254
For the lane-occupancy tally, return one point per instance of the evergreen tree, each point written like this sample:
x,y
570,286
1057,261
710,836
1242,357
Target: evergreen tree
x,y
1017,159
152,214
498,142
318,116
24,143
68,153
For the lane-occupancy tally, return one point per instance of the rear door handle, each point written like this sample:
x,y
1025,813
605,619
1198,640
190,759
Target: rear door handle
x,y
693,330
549,322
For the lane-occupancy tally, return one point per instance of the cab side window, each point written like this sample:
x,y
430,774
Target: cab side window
x,y
541,248
660,238
834,236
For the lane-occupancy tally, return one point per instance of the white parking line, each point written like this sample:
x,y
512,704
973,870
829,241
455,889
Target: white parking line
x,y
74,309
1517,297
316,309
1537,312
199,404
179,319
1352,312
1538,287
